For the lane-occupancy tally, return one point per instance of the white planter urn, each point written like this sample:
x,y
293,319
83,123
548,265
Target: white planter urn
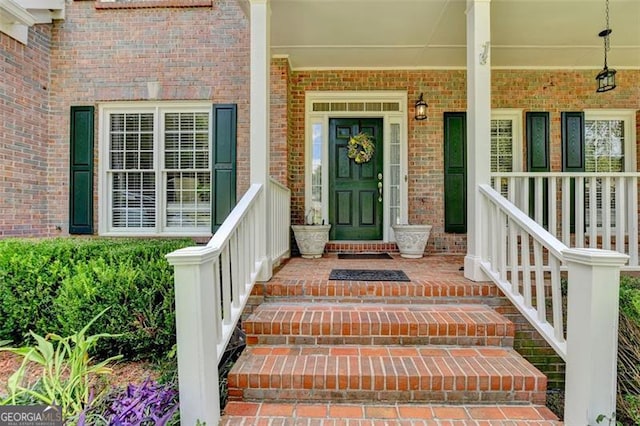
x,y
411,239
311,239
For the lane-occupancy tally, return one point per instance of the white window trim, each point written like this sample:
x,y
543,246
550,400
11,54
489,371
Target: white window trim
x,y
104,211
389,117
629,118
515,115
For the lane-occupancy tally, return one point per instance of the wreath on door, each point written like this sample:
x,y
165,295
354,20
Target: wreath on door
x,y
361,148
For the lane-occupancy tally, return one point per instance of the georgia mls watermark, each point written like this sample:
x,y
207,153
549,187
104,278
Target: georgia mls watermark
x,y
30,415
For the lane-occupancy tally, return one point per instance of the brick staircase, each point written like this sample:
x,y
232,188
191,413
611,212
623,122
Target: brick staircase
x,y
428,352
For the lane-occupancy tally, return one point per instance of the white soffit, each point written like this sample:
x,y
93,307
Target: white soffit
x,y
16,16
396,34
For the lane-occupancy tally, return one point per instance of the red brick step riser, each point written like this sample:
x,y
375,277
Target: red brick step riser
x,y
375,324
358,290
351,373
330,414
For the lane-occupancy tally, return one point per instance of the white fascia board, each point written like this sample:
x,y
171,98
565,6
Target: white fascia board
x,y
19,32
15,20
45,11
16,16
11,12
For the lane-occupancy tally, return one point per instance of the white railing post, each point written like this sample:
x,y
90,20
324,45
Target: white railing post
x,y
197,334
592,334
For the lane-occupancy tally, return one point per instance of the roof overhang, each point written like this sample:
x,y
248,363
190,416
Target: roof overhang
x,y
16,16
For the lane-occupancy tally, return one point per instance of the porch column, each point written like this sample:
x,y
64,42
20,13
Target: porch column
x,y
259,127
478,127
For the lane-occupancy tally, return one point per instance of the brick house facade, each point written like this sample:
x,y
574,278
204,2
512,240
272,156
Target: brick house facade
x,y
98,55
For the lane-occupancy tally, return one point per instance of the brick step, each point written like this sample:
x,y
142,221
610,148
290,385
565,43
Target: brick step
x,y
390,373
391,292
332,414
376,324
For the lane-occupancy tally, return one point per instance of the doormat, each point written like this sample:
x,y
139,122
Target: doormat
x,y
364,256
367,275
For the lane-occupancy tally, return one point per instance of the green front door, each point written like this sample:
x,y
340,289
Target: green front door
x,y
355,190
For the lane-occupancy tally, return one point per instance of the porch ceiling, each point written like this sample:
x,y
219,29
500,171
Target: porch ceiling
x,y
432,33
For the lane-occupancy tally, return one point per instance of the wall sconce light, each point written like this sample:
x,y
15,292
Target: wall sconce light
x,y
421,109
606,78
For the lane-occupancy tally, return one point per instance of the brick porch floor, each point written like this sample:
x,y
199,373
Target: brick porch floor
x,y
426,352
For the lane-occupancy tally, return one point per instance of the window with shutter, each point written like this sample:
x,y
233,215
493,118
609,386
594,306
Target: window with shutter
x,y
157,169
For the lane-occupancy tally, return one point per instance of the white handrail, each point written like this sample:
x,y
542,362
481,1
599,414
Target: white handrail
x,y
521,235
212,285
596,210
590,346
280,209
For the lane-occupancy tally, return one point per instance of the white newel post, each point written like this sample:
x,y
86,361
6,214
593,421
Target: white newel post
x,y
259,127
197,333
478,127
592,334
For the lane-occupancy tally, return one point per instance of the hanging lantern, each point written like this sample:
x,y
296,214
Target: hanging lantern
x,y
607,77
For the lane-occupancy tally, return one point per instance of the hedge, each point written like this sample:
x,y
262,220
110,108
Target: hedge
x,y
58,285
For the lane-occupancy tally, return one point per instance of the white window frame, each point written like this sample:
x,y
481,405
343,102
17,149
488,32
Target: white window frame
x,y
104,191
628,117
515,115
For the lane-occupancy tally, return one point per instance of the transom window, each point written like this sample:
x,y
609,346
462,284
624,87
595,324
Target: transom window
x,y
157,178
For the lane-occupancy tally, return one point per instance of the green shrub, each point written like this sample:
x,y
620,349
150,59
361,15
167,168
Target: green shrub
x,y
629,351
61,284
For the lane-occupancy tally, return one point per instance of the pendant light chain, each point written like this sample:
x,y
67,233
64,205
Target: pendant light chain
x,y
607,77
606,38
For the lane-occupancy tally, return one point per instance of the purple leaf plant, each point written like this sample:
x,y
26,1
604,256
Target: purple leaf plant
x,y
149,403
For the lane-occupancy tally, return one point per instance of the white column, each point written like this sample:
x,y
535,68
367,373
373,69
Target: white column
x,y
592,334
259,130
197,322
478,127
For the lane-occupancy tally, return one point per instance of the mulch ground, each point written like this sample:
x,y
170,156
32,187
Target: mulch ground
x,y
123,372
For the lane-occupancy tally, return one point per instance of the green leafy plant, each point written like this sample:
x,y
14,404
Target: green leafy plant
x,y
61,283
610,419
68,377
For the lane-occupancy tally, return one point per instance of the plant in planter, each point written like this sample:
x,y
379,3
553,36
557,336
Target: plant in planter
x,y
411,239
312,237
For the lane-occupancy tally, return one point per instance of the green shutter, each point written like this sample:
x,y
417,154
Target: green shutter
x,y
538,141
572,141
455,172
81,171
538,157
223,158
573,157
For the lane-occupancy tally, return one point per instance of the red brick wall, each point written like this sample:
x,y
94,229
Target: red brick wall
x,y
279,119
24,141
552,91
199,53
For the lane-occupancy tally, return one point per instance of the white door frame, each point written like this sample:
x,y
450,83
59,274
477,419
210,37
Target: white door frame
x,y
321,106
